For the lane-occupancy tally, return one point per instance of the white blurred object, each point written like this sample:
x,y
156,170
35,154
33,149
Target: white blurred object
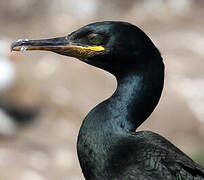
x,y
7,73
7,77
7,67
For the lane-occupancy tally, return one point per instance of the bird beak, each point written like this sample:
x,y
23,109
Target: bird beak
x,y
61,45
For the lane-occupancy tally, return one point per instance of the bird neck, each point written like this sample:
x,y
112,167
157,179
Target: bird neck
x,y
138,92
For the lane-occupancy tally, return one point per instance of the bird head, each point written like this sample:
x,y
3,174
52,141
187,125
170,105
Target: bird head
x,y
109,45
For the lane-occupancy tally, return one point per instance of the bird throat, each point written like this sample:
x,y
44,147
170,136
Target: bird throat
x,y
137,94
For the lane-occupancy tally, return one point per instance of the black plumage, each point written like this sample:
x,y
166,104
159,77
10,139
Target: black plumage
x,y
108,146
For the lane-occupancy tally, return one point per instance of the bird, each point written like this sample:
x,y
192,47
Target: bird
x,y
109,147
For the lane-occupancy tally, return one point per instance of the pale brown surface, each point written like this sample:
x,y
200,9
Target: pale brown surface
x,y
68,89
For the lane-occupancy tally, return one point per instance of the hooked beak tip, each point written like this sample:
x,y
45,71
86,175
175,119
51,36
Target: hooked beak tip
x,y
53,44
19,45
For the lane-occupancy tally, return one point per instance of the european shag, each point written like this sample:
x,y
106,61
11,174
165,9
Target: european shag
x,y
108,146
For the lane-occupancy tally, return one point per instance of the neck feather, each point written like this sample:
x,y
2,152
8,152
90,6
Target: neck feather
x,y
138,92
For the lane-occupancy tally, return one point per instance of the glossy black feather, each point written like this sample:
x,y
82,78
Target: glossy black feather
x,y
108,146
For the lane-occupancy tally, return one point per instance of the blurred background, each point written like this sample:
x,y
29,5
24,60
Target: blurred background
x,y
44,97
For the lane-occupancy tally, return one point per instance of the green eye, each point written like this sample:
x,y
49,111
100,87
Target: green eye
x,y
95,39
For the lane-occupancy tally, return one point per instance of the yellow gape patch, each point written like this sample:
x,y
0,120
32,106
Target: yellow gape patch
x,y
93,48
83,52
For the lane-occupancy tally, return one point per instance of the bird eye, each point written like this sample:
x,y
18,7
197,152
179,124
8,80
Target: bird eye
x,y
95,39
